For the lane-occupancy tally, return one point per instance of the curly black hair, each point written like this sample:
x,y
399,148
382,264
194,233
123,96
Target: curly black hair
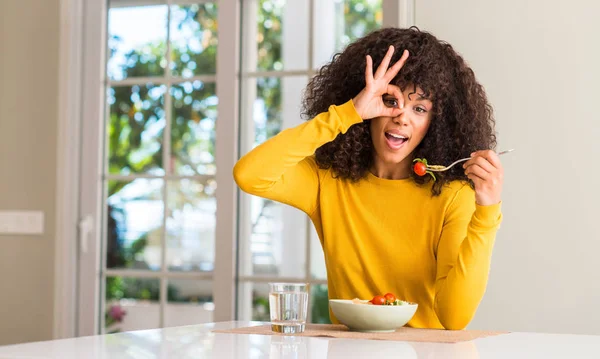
x,y
462,119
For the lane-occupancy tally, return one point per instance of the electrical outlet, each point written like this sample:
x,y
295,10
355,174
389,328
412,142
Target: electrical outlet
x,y
21,222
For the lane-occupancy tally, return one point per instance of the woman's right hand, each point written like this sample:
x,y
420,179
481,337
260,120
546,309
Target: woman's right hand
x,y
369,102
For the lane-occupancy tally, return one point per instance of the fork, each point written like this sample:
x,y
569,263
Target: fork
x,y
437,168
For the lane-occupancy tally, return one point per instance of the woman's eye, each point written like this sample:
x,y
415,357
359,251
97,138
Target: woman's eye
x,y
390,102
420,109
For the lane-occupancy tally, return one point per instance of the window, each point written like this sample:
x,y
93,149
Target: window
x,y
159,164
283,45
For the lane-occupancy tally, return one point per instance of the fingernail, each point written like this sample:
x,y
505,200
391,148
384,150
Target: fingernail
x,y
472,154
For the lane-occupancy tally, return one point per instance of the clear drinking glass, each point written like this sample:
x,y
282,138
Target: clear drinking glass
x,y
288,304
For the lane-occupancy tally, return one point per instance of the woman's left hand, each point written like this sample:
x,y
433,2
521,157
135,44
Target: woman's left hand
x,y
485,170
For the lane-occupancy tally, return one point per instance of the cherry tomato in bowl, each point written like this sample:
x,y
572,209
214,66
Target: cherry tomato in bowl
x,y
389,297
378,300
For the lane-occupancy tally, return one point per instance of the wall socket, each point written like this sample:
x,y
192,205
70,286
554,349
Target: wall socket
x,y
21,222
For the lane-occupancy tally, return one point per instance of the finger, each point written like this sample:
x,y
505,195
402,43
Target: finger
x,y
391,112
393,71
481,162
381,70
491,156
478,171
395,91
369,70
484,183
477,181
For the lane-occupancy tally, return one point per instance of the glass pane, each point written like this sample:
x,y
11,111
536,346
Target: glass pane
x,y
191,225
319,303
277,245
272,235
275,105
275,35
193,128
193,39
348,21
317,259
137,38
253,301
131,304
134,224
134,129
189,302
266,108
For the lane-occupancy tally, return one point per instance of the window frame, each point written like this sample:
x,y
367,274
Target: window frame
x,y
92,271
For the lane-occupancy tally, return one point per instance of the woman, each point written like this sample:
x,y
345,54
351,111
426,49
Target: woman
x,y
350,168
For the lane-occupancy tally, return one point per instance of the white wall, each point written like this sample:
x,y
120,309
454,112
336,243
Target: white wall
x,y
538,60
29,39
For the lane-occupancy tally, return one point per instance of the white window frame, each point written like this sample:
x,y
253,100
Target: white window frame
x,y
67,167
78,255
82,114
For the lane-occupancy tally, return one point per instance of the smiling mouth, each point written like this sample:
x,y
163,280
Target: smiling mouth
x,y
395,141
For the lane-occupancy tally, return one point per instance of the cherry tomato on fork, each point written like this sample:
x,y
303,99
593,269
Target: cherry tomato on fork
x,y
420,168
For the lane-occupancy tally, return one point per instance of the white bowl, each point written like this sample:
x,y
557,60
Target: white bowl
x,y
372,318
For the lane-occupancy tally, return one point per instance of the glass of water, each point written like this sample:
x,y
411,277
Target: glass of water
x,y
288,303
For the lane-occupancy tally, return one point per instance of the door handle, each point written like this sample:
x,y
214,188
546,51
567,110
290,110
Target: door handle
x,y
86,226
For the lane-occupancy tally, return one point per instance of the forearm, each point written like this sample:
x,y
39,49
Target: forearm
x,y
278,169
459,292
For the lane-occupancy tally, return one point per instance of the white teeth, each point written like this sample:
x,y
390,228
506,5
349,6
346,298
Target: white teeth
x,y
396,136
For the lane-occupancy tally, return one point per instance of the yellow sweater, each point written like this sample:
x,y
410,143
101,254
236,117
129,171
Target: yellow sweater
x,y
380,235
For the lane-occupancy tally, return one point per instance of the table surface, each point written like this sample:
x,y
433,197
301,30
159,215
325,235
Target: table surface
x,y
198,341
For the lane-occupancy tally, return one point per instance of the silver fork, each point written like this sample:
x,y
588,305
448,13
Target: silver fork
x,y
435,168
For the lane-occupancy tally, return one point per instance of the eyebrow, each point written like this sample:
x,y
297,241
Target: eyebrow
x,y
422,97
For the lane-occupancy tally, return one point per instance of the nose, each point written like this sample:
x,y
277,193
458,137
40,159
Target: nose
x,y
401,119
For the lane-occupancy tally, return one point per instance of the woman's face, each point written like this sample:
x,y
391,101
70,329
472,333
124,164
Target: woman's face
x,y
395,138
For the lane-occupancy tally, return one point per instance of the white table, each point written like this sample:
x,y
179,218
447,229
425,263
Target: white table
x,y
197,341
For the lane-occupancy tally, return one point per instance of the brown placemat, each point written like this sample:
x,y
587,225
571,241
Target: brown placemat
x,y
404,334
